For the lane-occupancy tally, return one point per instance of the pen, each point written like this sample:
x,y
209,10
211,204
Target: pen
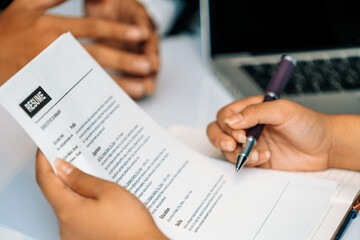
x,y
275,87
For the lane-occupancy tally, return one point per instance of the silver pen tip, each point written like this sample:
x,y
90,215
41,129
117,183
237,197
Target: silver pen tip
x,y
241,160
243,156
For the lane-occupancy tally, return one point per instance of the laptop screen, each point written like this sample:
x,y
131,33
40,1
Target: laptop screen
x,y
261,27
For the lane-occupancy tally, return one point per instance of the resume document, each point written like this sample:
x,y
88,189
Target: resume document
x,y
72,109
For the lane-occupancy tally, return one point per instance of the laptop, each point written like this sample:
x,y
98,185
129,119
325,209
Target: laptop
x,y
244,41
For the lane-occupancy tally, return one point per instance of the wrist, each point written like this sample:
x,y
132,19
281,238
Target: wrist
x,y
150,231
154,235
343,132
332,133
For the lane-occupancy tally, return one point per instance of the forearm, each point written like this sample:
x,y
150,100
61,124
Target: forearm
x,y
345,148
156,236
153,233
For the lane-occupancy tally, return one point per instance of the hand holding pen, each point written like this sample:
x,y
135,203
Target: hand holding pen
x,y
275,87
294,138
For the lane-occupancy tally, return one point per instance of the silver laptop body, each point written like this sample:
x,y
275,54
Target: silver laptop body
x,y
327,79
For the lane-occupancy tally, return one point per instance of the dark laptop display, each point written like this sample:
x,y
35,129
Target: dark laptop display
x,y
266,27
262,27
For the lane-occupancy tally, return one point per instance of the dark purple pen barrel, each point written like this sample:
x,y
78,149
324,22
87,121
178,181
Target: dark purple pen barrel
x,y
276,85
282,75
256,130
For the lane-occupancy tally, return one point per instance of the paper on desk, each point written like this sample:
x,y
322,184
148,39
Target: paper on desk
x,y
72,109
342,198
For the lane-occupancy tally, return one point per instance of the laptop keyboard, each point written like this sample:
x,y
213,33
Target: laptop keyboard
x,y
321,75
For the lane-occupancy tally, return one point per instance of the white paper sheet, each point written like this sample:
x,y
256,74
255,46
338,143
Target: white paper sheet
x,y
341,200
85,118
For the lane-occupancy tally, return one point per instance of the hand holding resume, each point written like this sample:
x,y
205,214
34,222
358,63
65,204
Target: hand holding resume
x,y
73,110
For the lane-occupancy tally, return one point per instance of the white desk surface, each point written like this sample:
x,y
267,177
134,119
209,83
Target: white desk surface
x,y
187,94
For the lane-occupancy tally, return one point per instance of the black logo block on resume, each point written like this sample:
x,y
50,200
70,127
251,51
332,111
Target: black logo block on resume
x,y
35,102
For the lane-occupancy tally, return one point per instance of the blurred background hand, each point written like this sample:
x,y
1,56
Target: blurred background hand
x,y
133,13
295,138
26,30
